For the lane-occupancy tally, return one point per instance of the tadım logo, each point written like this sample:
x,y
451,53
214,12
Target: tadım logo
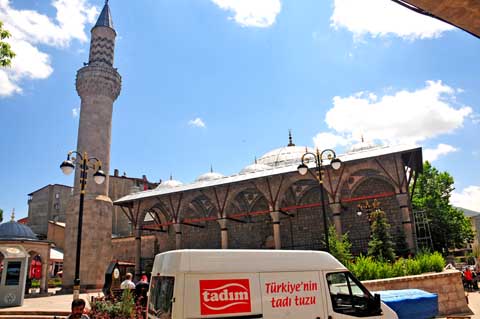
x,y
224,296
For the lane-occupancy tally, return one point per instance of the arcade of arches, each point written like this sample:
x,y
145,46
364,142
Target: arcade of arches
x,y
279,209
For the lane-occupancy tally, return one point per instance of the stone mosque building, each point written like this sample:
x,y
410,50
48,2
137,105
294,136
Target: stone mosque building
x,y
268,204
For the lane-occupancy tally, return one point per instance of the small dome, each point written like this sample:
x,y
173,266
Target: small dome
x,y
283,156
209,176
170,183
255,167
15,231
362,146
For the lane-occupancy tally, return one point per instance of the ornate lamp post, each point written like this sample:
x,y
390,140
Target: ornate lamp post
x,y
67,168
368,208
335,163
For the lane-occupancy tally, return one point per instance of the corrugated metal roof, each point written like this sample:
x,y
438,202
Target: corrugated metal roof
x,y
379,151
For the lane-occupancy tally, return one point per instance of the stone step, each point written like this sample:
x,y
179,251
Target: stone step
x,y
31,317
50,313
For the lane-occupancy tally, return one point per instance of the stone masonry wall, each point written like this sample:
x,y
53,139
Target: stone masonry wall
x,y
123,248
447,285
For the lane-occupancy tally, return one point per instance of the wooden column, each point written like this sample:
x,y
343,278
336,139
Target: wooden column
x,y
276,229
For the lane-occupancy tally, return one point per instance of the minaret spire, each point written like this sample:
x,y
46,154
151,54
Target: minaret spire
x,y
105,17
290,139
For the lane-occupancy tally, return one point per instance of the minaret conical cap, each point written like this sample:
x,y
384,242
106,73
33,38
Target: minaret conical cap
x,y
105,17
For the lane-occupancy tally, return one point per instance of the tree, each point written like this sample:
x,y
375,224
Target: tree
x,y
401,245
448,225
1,215
380,246
6,53
340,247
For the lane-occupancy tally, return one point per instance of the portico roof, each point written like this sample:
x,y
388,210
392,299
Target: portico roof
x,y
464,14
348,157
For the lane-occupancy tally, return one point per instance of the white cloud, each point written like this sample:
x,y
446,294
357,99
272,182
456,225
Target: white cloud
x,y
252,13
469,198
30,29
329,140
383,17
402,117
198,122
75,111
7,87
431,155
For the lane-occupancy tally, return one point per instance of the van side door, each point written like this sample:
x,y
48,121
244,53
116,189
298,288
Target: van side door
x,y
348,298
291,295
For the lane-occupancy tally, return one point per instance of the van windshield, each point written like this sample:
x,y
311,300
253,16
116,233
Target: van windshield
x,y
161,297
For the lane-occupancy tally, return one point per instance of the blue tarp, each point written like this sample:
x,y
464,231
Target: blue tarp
x,y
411,303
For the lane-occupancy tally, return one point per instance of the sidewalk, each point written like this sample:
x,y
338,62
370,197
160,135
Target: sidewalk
x,y
53,304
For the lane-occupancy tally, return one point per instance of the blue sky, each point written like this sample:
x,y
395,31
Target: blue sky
x,y
218,82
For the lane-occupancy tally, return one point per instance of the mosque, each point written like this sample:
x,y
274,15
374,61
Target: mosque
x,y
267,205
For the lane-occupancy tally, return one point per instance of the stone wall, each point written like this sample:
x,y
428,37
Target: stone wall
x,y
47,203
447,285
56,234
123,248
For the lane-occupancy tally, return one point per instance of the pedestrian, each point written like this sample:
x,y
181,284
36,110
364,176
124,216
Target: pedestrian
x,y
127,283
78,306
468,277
141,290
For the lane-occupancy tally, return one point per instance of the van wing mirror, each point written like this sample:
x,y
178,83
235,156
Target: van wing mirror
x,y
377,304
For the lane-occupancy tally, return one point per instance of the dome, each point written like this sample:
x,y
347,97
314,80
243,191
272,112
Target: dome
x,y
170,183
255,167
283,156
209,176
362,146
15,231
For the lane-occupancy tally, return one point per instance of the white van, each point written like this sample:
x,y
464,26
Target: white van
x,y
270,284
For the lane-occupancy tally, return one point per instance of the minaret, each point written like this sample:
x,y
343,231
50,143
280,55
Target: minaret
x,y
98,85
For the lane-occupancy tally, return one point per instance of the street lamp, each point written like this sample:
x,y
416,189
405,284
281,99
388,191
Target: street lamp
x,y
67,168
368,208
335,163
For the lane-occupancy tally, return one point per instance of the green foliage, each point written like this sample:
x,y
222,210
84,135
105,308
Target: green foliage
x,y
6,53
412,267
340,248
1,215
122,309
380,245
448,225
367,268
364,268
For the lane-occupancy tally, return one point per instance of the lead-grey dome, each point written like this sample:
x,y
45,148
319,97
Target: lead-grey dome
x,y
255,167
15,231
283,156
170,183
209,176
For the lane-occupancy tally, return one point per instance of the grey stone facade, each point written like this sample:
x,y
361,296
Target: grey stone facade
x,y
47,203
50,203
